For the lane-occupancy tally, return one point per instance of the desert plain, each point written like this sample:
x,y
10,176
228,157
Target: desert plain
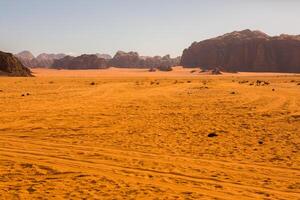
x,y
134,134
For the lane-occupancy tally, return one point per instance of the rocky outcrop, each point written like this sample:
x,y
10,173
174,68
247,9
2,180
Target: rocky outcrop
x,y
84,61
125,60
245,51
133,60
42,60
11,66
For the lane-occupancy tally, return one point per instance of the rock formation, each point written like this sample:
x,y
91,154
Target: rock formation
x,y
42,60
85,61
126,60
245,51
11,66
26,58
105,56
133,60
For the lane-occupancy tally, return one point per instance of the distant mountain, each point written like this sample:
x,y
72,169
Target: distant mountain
x,y
121,59
245,51
11,66
45,56
42,60
105,56
26,55
84,61
124,59
26,58
133,60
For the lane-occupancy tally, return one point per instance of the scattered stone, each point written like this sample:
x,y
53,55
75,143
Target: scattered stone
x,y
31,190
273,89
27,94
152,69
216,71
232,92
213,134
260,142
189,81
193,71
261,83
92,83
23,95
242,82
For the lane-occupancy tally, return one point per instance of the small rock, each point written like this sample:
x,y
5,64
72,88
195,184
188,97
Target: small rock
x,y
152,69
31,190
23,95
92,83
232,92
213,134
260,142
27,94
273,89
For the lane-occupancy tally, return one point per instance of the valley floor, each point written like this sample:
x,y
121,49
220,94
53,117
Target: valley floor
x,y
132,134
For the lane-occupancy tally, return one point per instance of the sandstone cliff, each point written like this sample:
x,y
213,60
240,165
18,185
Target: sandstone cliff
x,y
245,51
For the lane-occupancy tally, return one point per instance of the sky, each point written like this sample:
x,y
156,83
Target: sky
x,y
150,27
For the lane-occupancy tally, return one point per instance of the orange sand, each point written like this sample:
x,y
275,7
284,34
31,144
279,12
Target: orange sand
x,y
142,135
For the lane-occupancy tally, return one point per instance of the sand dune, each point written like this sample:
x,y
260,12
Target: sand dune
x,y
135,134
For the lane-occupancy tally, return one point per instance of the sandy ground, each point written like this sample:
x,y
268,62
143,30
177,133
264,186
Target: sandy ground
x,y
142,135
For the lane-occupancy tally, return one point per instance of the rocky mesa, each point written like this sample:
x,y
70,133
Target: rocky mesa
x,y
245,51
85,61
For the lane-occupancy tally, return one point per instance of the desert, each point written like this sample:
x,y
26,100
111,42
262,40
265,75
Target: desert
x,y
135,134
149,100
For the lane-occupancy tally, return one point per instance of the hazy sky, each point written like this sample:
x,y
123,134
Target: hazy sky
x,y
151,27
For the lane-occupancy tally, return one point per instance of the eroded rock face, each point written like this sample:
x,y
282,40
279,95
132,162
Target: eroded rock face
x,y
245,51
84,61
11,66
